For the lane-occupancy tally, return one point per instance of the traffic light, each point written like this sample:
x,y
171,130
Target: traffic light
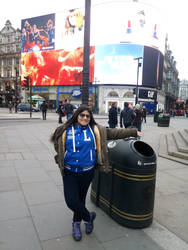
x,y
26,82
134,91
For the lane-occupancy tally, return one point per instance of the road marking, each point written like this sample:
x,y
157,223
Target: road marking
x,y
164,238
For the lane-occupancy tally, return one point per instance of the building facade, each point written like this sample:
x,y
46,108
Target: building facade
x,y
170,85
183,90
9,64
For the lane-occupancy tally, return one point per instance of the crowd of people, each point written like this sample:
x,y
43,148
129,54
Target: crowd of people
x,y
129,117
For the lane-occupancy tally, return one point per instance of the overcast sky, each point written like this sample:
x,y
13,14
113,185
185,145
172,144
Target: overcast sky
x,y
175,13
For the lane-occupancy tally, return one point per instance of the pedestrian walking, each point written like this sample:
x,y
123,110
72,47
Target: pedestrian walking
x,y
144,113
81,144
44,108
68,109
10,106
112,116
137,122
61,112
127,116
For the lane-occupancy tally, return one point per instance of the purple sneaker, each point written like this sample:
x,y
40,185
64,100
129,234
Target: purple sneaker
x,y
76,231
89,225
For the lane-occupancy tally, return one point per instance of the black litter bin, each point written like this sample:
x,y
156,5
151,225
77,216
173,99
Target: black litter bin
x,y
127,193
156,115
163,120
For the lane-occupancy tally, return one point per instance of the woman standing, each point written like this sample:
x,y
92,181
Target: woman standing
x,y
81,144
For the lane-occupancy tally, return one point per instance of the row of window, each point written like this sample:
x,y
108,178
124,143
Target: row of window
x,y
9,62
7,49
9,39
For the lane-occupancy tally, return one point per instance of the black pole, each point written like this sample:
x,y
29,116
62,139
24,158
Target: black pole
x,y
16,90
30,95
86,73
139,64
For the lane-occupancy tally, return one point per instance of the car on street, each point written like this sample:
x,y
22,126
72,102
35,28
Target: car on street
x,y
26,107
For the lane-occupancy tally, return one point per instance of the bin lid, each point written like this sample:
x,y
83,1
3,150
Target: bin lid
x,y
131,152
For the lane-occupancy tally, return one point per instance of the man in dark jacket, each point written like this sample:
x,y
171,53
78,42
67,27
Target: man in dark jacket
x,y
127,116
44,108
112,116
61,111
68,109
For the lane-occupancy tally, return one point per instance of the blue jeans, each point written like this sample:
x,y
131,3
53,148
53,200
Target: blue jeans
x,y
75,190
139,127
69,116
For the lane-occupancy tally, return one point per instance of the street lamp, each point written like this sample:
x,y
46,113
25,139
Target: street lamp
x,y
139,65
96,101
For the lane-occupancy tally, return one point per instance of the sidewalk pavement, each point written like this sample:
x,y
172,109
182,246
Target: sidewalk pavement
x,y
33,214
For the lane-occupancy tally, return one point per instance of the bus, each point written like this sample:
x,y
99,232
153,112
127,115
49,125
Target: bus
x,y
179,108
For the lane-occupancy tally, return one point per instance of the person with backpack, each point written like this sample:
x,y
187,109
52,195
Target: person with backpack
x,y
127,116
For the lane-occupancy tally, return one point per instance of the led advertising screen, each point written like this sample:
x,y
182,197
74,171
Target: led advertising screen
x,y
117,64
38,33
52,46
152,68
56,67
120,22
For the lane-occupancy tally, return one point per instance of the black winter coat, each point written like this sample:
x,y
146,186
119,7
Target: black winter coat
x,y
112,116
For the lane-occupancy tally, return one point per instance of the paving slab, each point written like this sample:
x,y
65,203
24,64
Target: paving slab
x,y
29,163
41,192
52,220
171,211
88,242
9,184
18,234
7,172
29,175
12,205
136,240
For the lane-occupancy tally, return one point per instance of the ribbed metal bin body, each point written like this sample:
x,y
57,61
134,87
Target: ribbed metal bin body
x,y
127,193
164,121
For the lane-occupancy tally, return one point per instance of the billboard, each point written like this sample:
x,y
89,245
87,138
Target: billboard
x,y
131,22
52,46
56,67
116,64
38,33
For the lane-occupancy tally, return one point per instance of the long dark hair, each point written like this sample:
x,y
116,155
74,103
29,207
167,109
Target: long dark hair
x,y
72,121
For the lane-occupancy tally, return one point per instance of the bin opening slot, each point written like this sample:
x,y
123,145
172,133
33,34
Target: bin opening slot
x,y
143,148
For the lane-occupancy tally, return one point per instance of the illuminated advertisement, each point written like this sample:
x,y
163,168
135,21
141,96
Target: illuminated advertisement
x,y
57,67
116,64
69,31
52,46
38,33
127,23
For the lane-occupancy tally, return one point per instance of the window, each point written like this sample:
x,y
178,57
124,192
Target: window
x,y
10,62
113,94
17,61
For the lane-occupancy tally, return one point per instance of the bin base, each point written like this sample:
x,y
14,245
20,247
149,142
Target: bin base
x,y
122,218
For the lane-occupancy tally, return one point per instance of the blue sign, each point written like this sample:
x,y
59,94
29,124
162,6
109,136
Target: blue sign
x,y
76,93
40,89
